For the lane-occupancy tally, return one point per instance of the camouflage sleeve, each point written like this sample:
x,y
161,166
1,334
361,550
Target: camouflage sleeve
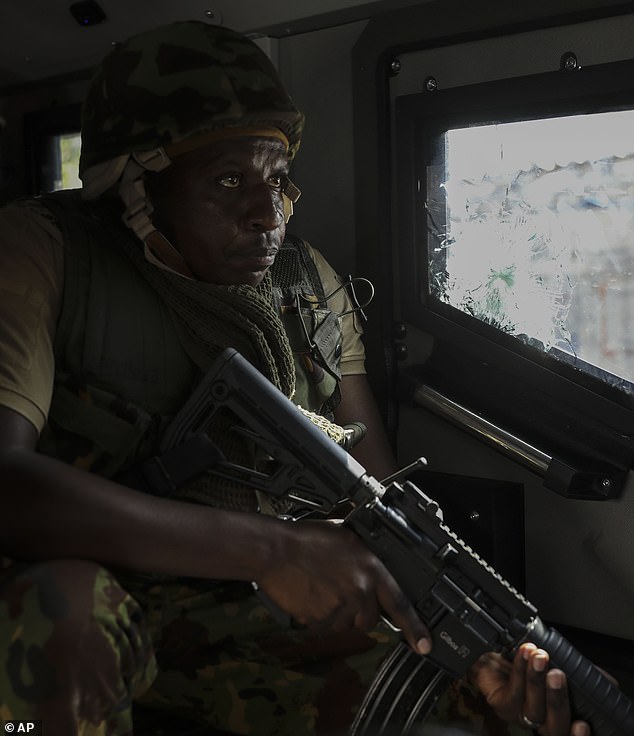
x,y
353,351
31,282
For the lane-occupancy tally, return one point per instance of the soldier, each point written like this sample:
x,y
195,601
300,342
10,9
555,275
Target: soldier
x,y
114,302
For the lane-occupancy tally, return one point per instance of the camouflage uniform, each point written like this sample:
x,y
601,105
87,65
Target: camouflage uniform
x,y
96,640
222,658
209,654
69,622
85,635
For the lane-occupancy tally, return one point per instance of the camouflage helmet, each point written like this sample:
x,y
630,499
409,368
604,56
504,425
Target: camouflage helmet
x,y
177,81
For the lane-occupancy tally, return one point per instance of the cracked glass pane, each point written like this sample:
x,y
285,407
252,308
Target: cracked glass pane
x,y
531,230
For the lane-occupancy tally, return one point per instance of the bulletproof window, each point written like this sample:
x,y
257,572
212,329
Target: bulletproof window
x,y
516,231
534,232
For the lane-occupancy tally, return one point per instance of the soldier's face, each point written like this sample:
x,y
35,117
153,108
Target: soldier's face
x,y
221,207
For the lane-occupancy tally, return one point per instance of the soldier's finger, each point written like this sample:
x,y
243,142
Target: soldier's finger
x,y
534,707
557,721
579,728
516,687
367,617
401,614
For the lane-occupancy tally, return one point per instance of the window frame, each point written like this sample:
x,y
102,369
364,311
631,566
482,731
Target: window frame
x,y
581,421
40,127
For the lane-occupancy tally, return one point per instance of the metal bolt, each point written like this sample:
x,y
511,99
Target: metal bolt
x,y
400,330
606,484
568,62
395,67
401,351
474,516
431,84
214,16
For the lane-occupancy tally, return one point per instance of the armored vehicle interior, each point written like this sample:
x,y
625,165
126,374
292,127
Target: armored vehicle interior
x,y
475,162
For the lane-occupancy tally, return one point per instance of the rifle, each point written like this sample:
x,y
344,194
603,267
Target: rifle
x,y
469,609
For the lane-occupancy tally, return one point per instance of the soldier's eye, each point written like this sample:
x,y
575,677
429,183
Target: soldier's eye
x,y
231,181
276,181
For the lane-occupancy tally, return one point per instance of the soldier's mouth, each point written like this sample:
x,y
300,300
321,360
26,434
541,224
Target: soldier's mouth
x,y
260,259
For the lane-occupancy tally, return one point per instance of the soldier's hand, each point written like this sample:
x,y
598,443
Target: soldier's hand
x,y
325,577
526,692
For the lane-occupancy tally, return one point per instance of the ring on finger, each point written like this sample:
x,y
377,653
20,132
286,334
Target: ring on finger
x,y
525,721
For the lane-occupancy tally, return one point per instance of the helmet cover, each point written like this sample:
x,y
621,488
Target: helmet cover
x,y
166,85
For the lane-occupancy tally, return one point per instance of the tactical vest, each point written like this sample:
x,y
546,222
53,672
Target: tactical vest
x,y
121,372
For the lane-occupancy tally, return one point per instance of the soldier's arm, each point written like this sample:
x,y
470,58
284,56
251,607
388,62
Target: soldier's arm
x,y
50,510
357,401
358,405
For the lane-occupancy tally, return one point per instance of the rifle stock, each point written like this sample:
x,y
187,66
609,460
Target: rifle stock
x,y
468,608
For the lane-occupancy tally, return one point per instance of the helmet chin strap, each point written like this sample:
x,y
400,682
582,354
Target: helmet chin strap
x,y
290,195
138,210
